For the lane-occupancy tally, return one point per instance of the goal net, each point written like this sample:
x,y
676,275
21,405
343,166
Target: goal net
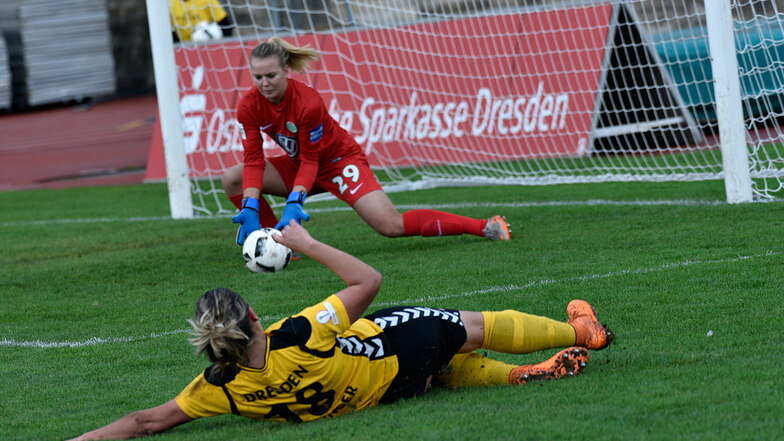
x,y
455,92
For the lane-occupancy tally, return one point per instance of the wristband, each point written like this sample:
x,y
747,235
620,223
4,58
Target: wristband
x,y
251,203
296,197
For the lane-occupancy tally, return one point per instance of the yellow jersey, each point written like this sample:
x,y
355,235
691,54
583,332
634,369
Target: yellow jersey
x,y
317,365
185,14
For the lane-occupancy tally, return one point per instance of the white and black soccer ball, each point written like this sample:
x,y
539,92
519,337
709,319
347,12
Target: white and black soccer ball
x,y
262,254
206,31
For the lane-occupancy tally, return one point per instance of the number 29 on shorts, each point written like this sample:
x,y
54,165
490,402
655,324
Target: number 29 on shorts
x,y
349,173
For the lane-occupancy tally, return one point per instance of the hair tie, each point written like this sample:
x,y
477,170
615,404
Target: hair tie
x,y
219,325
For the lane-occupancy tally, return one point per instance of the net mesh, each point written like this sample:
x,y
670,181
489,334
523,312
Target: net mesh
x,y
500,92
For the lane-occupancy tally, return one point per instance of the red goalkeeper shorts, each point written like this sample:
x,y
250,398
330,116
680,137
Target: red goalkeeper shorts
x,y
348,178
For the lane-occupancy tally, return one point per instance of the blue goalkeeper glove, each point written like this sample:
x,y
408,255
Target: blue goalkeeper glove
x,y
248,218
293,210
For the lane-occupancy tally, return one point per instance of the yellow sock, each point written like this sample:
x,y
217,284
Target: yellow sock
x,y
515,332
472,369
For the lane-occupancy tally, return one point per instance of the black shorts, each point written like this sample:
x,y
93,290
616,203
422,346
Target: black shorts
x,y
424,340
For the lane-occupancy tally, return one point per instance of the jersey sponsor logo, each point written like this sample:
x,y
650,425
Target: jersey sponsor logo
x,y
372,348
317,133
404,315
291,127
355,189
288,144
327,314
266,127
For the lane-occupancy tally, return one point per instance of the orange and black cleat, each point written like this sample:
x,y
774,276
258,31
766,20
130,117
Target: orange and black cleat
x,y
590,333
566,363
497,229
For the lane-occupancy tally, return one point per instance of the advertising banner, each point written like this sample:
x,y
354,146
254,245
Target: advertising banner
x,y
505,87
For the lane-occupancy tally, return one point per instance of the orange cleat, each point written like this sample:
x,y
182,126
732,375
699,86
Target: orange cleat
x,y
566,363
497,229
590,333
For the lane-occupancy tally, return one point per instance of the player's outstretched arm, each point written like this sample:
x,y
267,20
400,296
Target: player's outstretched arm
x,y
140,423
363,282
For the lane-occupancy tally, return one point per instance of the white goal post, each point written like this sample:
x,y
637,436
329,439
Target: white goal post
x,y
176,165
498,92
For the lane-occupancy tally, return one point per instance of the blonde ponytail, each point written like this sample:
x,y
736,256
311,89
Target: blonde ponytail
x,y
295,57
221,327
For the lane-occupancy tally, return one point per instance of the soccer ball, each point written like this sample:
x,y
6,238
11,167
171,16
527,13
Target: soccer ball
x,y
262,254
206,31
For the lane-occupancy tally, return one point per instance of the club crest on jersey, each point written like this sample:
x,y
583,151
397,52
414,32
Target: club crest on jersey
x,y
288,144
292,128
316,133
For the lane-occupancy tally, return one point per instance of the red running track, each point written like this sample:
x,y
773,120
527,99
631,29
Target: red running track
x,y
101,144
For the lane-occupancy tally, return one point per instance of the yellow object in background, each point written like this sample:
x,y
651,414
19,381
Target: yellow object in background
x,y
185,14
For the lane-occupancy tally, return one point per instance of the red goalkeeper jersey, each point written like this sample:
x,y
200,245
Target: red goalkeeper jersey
x,y
300,124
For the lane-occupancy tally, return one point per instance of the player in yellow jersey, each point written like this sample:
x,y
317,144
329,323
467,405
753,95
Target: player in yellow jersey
x,y
326,360
186,14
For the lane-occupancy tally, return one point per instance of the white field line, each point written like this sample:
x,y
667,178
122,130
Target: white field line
x,y
314,209
78,344
491,290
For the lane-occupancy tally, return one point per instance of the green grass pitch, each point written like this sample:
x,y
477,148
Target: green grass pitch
x,y
97,283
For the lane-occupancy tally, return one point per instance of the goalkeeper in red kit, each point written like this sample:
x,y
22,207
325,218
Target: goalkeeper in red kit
x,y
320,157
